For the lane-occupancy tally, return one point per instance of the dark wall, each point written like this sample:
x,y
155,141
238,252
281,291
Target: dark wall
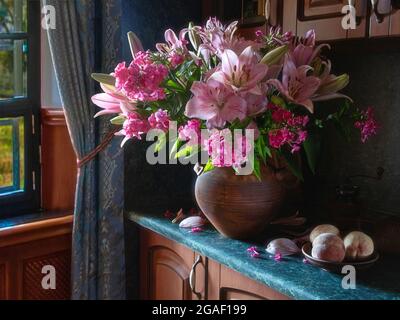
x,y
149,19
154,187
150,188
375,81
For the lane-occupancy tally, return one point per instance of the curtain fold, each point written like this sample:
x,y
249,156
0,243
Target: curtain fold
x,y
82,28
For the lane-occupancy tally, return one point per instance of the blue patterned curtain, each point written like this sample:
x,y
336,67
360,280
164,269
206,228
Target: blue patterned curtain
x,y
86,40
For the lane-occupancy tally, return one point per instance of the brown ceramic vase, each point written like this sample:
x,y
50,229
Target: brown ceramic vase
x,y
240,207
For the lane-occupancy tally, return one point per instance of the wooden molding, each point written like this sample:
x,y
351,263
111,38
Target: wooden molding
x,y
53,116
34,231
59,167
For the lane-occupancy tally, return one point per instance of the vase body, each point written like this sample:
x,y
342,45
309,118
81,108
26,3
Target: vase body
x,y
241,207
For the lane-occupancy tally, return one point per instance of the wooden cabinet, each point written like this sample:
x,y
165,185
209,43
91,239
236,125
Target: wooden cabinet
x,y
226,284
167,271
25,250
387,20
325,17
170,271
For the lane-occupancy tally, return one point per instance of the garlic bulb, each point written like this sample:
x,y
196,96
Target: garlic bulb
x,y
282,246
193,222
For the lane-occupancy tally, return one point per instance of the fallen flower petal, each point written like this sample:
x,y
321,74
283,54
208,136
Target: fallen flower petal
x,y
252,249
196,230
255,255
278,257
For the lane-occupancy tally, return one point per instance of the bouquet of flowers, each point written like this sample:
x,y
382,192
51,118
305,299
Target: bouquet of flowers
x,y
240,102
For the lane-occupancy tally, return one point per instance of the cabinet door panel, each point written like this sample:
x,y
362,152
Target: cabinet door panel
x,y
165,268
234,286
324,16
169,275
234,294
326,29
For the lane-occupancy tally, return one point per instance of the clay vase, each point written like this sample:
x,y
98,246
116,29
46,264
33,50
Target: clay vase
x,y
240,207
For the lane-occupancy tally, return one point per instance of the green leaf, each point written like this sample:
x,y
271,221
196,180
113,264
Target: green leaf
x,y
194,152
257,169
187,151
312,148
118,120
174,86
261,148
208,167
268,151
176,146
161,142
104,78
294,165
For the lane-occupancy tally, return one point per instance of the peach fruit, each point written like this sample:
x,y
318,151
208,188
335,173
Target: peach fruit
x,y
358,245
328,247
323,228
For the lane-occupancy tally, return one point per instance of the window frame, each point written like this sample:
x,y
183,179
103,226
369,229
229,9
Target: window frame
x,y
28,200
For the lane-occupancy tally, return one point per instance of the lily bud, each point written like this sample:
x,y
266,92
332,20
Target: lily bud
x,y
193,36
103,78
134,43
275,56
335,84
278,101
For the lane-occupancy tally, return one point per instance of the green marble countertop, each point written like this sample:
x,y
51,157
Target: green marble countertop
x,y
290,276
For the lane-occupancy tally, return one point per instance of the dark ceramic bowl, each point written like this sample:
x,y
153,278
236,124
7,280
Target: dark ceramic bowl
x,y
337,266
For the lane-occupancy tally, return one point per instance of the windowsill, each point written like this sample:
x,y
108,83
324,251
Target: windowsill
x,y
8,223
34,227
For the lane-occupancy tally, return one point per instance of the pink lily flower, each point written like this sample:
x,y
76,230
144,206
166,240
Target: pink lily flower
x,y
330,85
242,73
296,86
305,52
215,103
108,103
217,38
134,43
257,104
173,43
111,101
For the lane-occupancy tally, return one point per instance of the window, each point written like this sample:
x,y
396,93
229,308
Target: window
x,y
19,106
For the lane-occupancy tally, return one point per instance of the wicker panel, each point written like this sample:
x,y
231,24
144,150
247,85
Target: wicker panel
x,y
32,277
